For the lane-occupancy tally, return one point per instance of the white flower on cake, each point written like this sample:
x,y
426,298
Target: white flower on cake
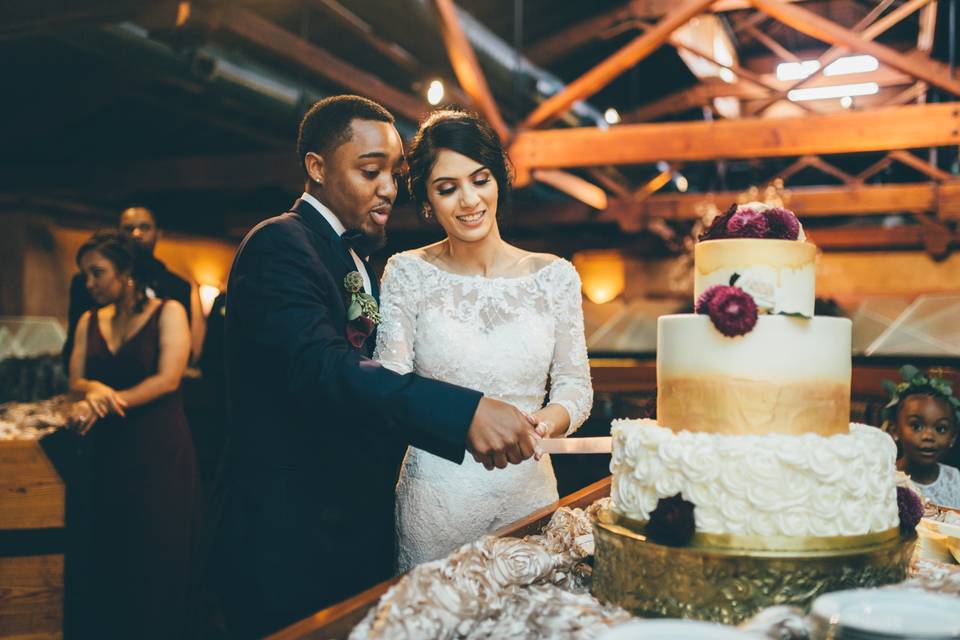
x,y
761,284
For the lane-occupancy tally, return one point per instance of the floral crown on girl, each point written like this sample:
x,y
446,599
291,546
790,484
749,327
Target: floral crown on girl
x,y
914,380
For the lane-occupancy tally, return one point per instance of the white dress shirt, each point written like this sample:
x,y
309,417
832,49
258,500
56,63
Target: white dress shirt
x,y
334,221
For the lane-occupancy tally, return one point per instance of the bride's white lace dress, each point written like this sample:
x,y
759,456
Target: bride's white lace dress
x,y
504,337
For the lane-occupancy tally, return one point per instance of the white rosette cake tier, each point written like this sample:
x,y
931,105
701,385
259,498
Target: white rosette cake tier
x,y
749,485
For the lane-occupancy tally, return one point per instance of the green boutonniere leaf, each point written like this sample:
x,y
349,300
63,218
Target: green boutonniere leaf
x,y
354,311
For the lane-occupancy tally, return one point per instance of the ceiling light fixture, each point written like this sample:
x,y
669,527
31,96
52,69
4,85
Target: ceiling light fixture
x,y
834,91
435,92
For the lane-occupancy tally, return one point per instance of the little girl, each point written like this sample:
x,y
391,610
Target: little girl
x,y
923,416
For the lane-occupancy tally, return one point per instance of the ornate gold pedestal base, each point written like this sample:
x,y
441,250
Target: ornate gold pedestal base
x,y
729,585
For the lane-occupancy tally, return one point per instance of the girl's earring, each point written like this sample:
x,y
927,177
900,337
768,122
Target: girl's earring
x,y
426,213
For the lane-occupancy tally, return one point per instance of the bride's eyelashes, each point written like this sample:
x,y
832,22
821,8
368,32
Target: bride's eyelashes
x,y
445,191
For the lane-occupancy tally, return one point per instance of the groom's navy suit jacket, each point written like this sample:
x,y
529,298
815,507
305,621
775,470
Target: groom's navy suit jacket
x,y
317,430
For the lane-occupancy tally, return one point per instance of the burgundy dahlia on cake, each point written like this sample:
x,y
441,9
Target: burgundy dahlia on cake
x,y
747,223
732,310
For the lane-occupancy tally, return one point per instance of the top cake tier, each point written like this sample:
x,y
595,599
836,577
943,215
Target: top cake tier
x,y
779,274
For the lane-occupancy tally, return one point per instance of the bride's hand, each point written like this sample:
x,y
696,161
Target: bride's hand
x,y
541,430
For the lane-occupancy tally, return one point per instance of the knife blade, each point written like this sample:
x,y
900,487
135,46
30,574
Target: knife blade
x,y
576,445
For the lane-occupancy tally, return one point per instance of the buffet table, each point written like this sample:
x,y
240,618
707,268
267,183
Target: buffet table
x,y
32,516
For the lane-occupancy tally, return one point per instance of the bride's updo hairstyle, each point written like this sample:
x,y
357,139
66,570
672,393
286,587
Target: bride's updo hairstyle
x,y
467,134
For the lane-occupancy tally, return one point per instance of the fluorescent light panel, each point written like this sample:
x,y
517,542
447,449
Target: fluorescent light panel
x,y
796,70
835,91
839,67
851,64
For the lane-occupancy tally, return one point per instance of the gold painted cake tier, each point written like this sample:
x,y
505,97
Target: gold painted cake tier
x,y
717,404
728,585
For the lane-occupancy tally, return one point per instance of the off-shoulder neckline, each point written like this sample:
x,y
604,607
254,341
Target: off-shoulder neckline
x,y
533,274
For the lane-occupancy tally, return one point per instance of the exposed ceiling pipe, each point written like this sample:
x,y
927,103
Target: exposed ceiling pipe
x,y
238,80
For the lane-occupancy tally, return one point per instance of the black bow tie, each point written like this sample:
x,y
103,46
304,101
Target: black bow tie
x,y
362,244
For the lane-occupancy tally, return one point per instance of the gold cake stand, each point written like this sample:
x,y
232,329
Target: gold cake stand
x,y
727,578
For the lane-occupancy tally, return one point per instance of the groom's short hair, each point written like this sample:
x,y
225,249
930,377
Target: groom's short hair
x,y
326,125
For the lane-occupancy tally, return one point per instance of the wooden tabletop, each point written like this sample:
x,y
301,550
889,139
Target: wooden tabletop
x,y
335,622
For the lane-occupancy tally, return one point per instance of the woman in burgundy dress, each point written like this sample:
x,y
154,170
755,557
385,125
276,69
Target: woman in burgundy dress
x,y
127,365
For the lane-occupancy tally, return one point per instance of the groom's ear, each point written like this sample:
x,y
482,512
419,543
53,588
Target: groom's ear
x,y
313,163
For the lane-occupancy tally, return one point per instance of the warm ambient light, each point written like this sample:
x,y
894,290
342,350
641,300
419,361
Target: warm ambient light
x,y
839,67
611,115
602,274
835,91
208,293
435,92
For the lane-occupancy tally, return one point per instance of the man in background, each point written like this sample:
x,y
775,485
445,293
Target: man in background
x,y
140,225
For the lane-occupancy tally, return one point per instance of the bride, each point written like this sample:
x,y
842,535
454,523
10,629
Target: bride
x,y
475,311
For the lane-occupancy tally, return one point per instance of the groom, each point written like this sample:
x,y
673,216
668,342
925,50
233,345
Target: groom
x,y
317,428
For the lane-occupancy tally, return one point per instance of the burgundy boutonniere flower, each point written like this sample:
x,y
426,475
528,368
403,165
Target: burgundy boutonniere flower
x,y
359,330
362,313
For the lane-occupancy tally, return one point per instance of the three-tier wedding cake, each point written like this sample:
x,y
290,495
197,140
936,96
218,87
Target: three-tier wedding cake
x,y
750,487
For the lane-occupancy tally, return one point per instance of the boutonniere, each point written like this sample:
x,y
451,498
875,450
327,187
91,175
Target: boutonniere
x,y
363,314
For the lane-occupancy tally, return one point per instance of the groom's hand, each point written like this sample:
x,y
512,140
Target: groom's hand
x,y
500,433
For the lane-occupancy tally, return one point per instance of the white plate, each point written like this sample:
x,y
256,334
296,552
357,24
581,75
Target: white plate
x,y
894,612
673,630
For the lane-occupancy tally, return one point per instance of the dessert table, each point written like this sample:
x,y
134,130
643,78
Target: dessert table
x,y
552,601
338,620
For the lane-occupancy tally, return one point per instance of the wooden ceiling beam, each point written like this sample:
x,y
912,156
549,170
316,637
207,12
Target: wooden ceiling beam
x,y
825,167
627,57
467,69
698,95
739,70
875,168
276,40
771,44
809,202
390,50
551,48
612,180
574,186
911,126
815,26
929,170
869,27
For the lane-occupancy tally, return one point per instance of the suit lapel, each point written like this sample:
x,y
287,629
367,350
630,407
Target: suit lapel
x,y
329,243
318,223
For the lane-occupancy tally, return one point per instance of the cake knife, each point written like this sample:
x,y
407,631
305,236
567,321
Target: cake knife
x,y
576,445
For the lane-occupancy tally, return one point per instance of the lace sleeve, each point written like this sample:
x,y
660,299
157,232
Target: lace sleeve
x,y
570,385
398,306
